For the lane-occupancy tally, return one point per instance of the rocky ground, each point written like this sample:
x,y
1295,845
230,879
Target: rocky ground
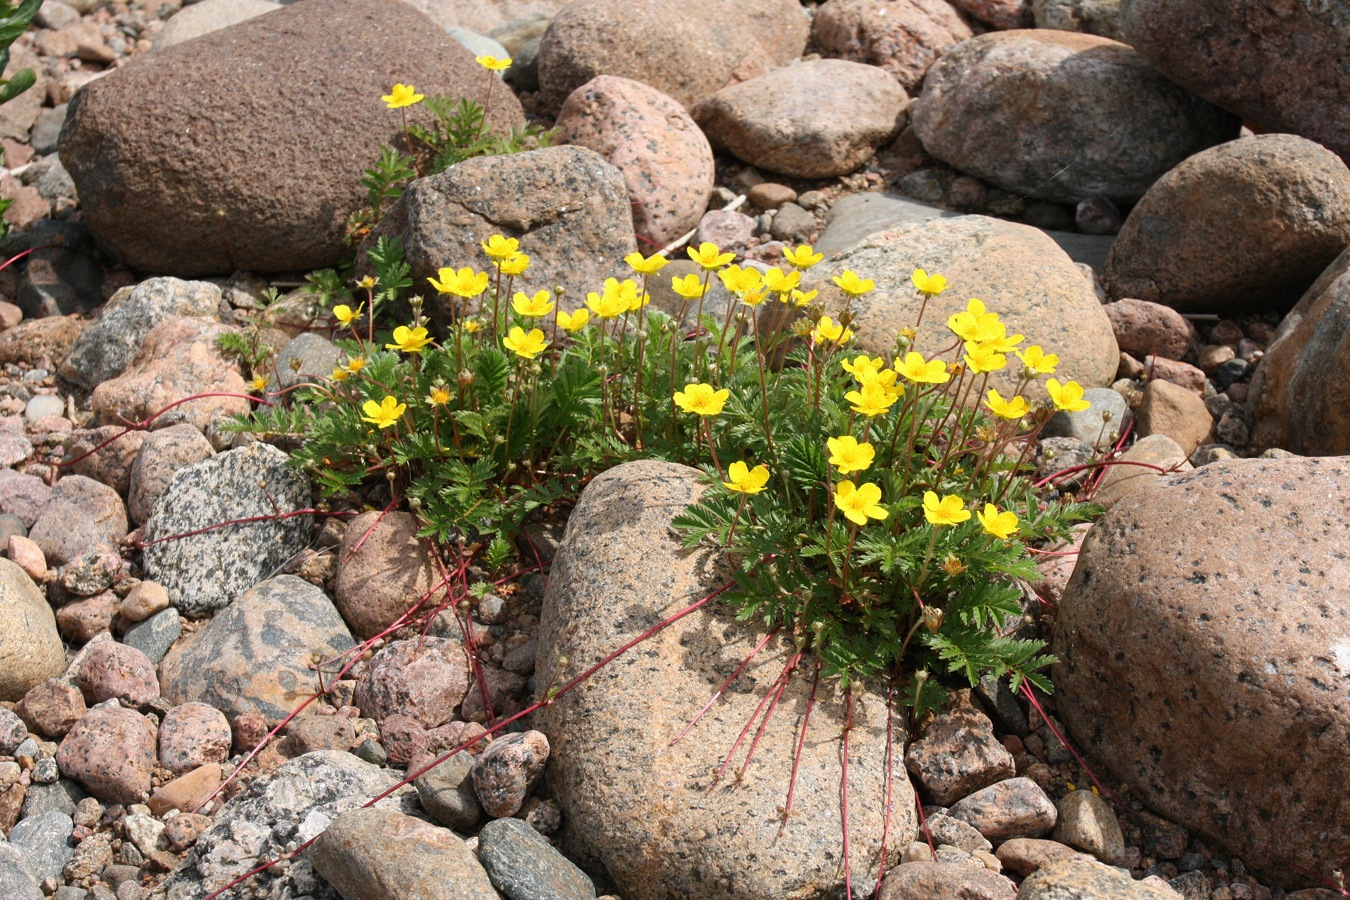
x,y
1189,272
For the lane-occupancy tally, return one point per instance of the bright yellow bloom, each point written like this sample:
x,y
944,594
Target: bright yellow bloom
x,y
401,95
754,298
740,281
782,282
975,323
688,286
847,455
526,346
439,396
574,322
863,366
532,307
928,285
830,330
871,399
884,377
259,383
383,414
804,257
701,399
1067,397
950,510
368,282
709,257
859,502
465,283
472,326
801,298
1012,409
852,285
409,340
745,480
346,315
1037,360
921,371
499,247
1002,342
340,374
984,358
493,63
1001,525
612,302
648,265
356,364
514,264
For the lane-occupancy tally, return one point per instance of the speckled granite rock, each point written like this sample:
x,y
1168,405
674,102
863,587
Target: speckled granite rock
x,y
931,879
958,754
903,38
111,753
1073,878
254,655
1013,808
383,569
522,864
1211,691
425,678
161,454
30,647
81,515
206,571
643,809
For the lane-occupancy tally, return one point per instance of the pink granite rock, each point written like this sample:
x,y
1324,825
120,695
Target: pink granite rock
x,y
111,753
112,670
194,735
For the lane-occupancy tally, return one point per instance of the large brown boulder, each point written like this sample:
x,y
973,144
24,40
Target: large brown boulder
x,y
1061,116
1205,639
244,149
648,812
1279,63
1300,395
1245,225
904,37
686,49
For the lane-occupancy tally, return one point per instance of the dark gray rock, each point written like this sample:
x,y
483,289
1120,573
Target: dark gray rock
x,y
61,796
18,881
1099,426
155,635
446,792
46,840
206,571
524,866
306,357
61,281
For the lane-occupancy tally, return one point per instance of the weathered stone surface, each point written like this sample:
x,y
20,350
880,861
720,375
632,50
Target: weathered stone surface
x,y
904,38
178,358
1026,855
1264,216
1089,117
446,792
53,707
1087,822
22,495
1016,270
206,571
1300,394
938,879
957,755
1088,16
425,678
379,852
208,16
1139,467
641,808
383,569
161,455
1144,329
112,670
105,454
16,874
254,655
214,204
666,161
522,864
30,647
1013,808
810,120
999,14
40,342
111,753
1210,691
81,515
193,735
1176,412
508,770
687,49
511,22
1279,64
566,205
1087,878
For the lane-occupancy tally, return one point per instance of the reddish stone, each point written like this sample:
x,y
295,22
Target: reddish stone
x,y
52,708
112,670
193,735
111,753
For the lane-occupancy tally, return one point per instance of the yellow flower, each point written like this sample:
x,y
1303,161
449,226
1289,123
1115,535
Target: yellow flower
x,y
754,298
526,346
859,502
1001,525
782,283
340,374
745,480
921,371
383,414
356,364
830,330
574,322
1037,360
975,323
608,305
439,396
950,510
1012,409
928,285
847,455
346,315
701,399
493,63
871,400
689,286
409,340
709,257
401,95
532,307
800,298
852,285
472,326
863,366
1002,342
740,281
984,358
1067,397
499,247
259,383
368,282
514,264
465,283
648,265
804,257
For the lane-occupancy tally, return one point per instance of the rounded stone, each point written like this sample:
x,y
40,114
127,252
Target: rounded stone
x,y
30,645
424,679
112,670
193,735
111,753
902,38
383,570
